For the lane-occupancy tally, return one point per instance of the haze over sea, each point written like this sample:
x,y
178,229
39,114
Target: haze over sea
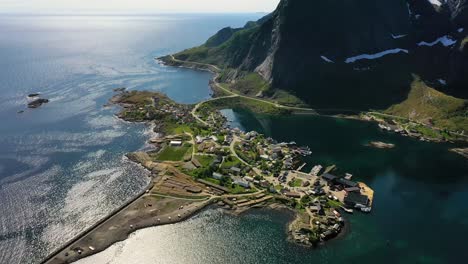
x,y
62,165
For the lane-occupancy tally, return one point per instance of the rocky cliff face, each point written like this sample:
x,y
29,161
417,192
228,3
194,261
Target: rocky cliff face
x,y
349,54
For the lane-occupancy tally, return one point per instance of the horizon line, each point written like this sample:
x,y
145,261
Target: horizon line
x,y
126,13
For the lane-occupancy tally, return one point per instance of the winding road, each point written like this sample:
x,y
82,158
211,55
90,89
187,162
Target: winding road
x,y
234,94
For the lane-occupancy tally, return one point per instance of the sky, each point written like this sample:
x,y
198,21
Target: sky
x,y
139,6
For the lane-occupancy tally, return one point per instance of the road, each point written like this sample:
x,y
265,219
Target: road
x,y
217,84
194,110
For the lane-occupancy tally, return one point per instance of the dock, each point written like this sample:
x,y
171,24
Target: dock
x,y
302,166
366,190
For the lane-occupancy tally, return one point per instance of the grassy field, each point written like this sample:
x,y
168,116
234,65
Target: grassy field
x,y
334,204
142,97
295,183
251,84
205,160
176,129
231,161
426,105
171,153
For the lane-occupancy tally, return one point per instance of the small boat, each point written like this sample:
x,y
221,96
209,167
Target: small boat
x,y
348,176
366,209
349,211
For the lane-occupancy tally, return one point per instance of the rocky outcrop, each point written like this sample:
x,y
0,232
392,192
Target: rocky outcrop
x,y
37,103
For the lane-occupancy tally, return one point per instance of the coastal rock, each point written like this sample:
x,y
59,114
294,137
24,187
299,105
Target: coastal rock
x,y
121,89
33,95
461,151
380,145
37,103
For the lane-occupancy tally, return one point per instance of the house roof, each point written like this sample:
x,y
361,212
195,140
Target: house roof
x,y
328,176
346,182
356,198
353,189
235,169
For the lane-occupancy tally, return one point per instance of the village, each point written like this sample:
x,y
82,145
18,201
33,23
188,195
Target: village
x,y
240,170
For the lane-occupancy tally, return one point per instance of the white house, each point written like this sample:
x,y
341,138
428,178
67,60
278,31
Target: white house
x,y
176,143
217,176
242,183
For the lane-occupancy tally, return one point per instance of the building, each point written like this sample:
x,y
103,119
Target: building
x,y
196,163
235,170
293,194
346,183
175,143
242,183
352,189
217,176
356,199
328,177
316,208
199,139
264,183
248,178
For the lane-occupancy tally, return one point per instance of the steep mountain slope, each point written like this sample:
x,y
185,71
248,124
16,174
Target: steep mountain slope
x,y
347,54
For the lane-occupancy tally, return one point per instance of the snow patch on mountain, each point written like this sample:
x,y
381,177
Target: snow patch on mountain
x,y
435,2
445,40
326,59
374,56
398,36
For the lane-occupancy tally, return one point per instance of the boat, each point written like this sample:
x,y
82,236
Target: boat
x,y
366,209
348,176
347,210
316,170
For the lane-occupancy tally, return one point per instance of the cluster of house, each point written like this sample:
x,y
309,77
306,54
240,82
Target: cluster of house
x,y
236,175
353,197
394,126
272,156
181,113
329,222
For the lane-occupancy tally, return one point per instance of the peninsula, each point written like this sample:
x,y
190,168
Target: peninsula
x,y
197,160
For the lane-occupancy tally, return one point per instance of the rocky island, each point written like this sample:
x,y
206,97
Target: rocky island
x,y
380,145
37,103
461,151
197,160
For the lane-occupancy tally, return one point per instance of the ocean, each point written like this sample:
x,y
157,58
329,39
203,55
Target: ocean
x,y
62,166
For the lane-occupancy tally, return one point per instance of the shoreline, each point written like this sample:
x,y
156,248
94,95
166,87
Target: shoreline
x,y
90,229
354,114
74,249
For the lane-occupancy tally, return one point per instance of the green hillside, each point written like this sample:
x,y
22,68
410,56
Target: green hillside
x,y
430,106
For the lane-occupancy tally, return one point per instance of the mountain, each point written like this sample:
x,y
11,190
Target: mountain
x,y
345,54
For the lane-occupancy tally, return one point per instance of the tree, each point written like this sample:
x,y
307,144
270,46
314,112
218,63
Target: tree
x,y
305,200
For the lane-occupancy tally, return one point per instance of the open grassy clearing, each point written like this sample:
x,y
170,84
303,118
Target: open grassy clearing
x,y
171,153
427,105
